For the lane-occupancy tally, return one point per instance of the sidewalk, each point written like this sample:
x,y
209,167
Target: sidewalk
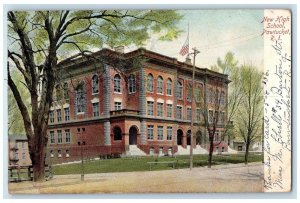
x,y
220,178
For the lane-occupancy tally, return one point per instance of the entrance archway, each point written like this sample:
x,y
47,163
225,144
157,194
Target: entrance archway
x,y
188,137
179,137
132,135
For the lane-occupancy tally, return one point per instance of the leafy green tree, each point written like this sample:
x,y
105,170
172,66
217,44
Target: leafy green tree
x,y
39,40
250,110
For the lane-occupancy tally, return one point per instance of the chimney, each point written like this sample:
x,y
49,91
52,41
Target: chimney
x,y
188,60
120,49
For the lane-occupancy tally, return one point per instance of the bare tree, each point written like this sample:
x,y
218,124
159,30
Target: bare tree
x,y
39,40
250,111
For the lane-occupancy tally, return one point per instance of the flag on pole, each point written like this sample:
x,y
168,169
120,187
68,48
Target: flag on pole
x,y
185,48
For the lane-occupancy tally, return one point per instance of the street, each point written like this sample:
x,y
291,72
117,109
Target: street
x,y
221,178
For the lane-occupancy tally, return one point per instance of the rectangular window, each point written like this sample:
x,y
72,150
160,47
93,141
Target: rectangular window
x,y
51,153
59,137
160,134
216,138
23,155
52,138
217,119
222,117
150,132
59,153
131,85
160,107
210,116
51,117
179,112
150,107
118,106
67,153
58,112
169,110
189,92
67,114
169,133
198,114
189,113
96,109
68,136
23,145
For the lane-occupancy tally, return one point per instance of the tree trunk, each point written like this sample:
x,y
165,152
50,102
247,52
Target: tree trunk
x,y
247,151
37,148
211,149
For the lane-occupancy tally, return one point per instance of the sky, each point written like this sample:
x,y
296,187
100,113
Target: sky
x,y
214,33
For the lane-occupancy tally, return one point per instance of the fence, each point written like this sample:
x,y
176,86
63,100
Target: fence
x,y
18,173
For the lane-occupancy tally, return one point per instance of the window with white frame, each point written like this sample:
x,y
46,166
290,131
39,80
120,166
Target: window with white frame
x,y
179,112
150,105
188,113
169,133
67,153
217,116
58,113
95,84
117,83
118,106
150,132
96,109
210,116
179,90
160,85
68,136
51,116
160,107
189,92
80,98
150,82
160,132
169,110
52,137
51,153
222,97
169,87
216,138
59,153
66,91
198,114
23,155
59,137
222,117
67,114
131,84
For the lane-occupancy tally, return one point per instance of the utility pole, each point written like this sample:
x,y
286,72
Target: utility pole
x,y
194,53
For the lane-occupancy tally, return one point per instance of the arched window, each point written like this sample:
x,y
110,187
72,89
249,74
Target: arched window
x,y
117,133
58,92
150,83
160,85
169,87
80,98
179,90
66,91
117,83
189,92
131,84
95,84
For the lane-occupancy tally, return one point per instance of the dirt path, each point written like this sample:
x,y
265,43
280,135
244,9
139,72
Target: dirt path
x,y
222,178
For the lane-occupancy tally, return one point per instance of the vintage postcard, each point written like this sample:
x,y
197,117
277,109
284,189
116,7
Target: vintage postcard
x,y
149,101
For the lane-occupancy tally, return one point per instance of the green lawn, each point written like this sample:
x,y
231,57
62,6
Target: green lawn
x,y
140,163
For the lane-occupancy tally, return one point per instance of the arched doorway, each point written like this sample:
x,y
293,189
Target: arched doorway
x,y
117,133
132,135
179,137
188,137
